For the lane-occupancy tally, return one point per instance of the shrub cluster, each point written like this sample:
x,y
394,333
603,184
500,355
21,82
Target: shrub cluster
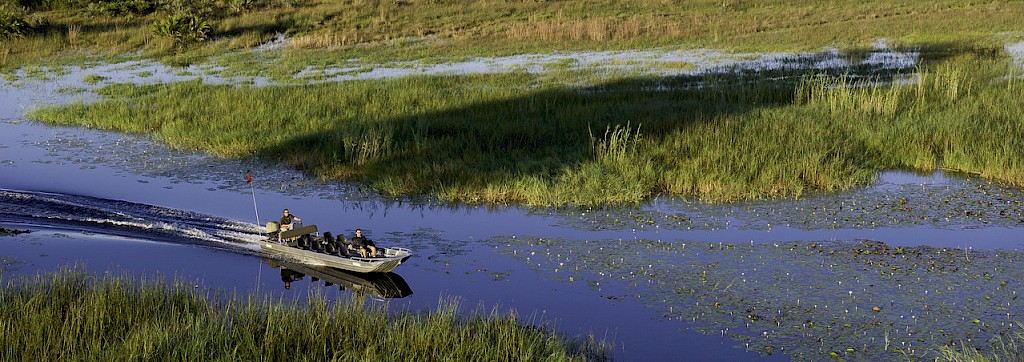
x,y
145,7
12,22
109,7
184,28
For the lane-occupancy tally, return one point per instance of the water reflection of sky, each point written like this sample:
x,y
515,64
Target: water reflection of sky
x,y
663,62
457,251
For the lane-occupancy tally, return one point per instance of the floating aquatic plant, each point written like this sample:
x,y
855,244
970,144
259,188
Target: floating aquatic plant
x,y
956,202
810,300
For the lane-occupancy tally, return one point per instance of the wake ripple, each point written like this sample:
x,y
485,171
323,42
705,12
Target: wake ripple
x,y
127,219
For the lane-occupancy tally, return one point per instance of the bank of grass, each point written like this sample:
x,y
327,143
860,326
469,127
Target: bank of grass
x,y
1009,347
528,138
71,315
444,30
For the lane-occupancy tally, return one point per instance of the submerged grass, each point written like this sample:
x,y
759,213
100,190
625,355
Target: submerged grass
x,y
530,138
72,315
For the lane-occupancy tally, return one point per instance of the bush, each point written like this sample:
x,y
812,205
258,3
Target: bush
x,y
12,25
121,7
43,5
184,28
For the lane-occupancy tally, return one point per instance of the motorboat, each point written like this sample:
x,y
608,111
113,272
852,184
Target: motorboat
x,y
304,244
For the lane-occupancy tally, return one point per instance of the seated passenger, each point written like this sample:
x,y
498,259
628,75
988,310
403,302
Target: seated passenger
x,y
287,220
361,243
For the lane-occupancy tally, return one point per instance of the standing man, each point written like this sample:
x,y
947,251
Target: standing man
x,y
287,220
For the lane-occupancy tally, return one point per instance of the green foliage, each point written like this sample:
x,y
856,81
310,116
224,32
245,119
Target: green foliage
x,y
183,28
410,29
145,7
118,7
1005,347
93,78
45,5
528,138
12,22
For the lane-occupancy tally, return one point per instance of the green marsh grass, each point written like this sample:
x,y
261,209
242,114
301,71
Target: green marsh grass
x,y
72,315
93,79
530,138
445,30
1007,347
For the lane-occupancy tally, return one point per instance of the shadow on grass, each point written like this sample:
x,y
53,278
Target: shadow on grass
x,y
543,133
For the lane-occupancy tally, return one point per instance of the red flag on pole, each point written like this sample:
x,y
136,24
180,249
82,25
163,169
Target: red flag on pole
x,y
248,180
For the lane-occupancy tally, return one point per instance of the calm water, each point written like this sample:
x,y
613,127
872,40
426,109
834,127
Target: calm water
x,y
671,280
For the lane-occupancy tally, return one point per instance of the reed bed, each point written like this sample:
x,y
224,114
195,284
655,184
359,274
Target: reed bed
x,y
73,315
527,138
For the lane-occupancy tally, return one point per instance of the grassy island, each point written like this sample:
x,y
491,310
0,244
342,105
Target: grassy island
x,y
530,138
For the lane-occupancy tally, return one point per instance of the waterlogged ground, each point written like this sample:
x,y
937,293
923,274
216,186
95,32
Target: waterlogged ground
x,y
810,300
889,272
899,201
253,68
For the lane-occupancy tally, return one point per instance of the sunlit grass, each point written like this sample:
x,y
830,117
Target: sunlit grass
x,y
530,138
446,30
72,315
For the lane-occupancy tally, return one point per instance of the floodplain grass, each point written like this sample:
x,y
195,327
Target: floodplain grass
x,y
536,139
1007,347
74,315
445,30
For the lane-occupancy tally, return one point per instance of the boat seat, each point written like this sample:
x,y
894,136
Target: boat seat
x,y
304,241
343,246
297,232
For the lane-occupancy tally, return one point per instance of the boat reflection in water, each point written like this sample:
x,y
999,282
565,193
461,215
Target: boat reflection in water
x,y
383,285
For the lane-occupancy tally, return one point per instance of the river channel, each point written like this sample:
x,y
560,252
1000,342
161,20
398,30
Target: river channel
x,y
891,271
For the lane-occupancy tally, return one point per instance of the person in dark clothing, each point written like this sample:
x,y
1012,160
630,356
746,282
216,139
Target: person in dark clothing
x,y
363,244
288,220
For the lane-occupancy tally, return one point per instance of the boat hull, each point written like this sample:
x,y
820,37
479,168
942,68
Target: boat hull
x,y
391,258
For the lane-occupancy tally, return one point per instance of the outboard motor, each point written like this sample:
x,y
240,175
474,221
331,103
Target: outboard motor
x,y
273,228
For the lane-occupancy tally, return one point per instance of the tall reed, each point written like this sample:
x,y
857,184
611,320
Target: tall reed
x,y
73,315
